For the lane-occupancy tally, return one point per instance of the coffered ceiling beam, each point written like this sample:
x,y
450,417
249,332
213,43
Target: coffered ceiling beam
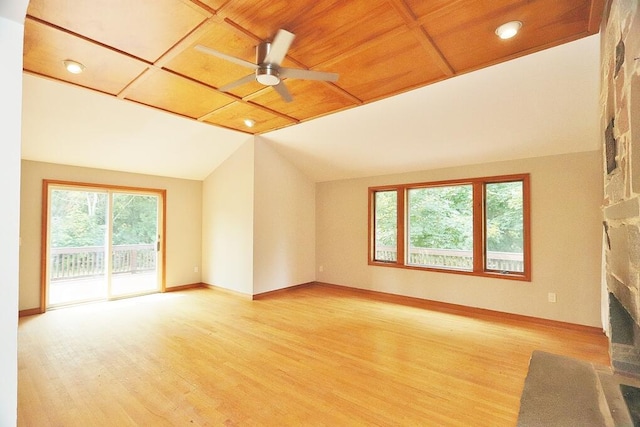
x,y
422,35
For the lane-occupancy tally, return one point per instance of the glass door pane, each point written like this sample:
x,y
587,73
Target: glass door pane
x,y
77,246
134,230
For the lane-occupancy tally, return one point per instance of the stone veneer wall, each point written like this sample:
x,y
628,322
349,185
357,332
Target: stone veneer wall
x,y
620,98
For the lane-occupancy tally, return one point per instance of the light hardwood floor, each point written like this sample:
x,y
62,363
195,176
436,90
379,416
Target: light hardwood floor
x,y
316,355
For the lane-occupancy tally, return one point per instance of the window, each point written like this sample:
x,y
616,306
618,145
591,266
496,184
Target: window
x,y
440,226
386,224
504,226
477,226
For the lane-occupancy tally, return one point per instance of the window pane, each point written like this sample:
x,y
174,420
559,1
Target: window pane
x,y
441,227
504,226
386,226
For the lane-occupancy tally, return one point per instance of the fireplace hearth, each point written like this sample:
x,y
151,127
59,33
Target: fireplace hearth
x,y
624,338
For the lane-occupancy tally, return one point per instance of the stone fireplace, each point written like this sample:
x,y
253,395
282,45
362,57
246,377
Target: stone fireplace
x,y
620,96
618,393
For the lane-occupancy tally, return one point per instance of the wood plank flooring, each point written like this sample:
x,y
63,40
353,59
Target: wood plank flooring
x,y
313,356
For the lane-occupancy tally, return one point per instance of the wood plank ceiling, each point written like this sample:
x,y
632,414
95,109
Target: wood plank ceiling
x,y
143,51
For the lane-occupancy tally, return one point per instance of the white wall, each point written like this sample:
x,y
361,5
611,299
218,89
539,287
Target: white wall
x,y
227,222
284,222
566,193
183,221
11,36
258,222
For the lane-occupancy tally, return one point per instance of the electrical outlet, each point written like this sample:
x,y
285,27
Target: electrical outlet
x,y
551,297
195,269
321,269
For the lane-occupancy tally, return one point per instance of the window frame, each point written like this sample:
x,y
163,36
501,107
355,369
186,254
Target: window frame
x,y
479,226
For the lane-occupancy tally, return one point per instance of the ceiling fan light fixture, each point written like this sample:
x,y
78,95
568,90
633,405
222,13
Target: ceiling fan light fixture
x,y
267,67
267,76
74,67
508,30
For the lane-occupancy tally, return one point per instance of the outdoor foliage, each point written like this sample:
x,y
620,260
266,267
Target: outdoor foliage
x,y
134,219
79,218
386,217
504,217
442,217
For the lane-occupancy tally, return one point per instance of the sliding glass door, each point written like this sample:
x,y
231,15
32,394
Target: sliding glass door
x,y
134,244
77,246
102,244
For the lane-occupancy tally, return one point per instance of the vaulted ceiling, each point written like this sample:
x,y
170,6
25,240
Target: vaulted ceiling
x,y
143,51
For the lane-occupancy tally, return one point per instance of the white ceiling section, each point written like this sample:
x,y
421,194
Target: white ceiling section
x,y
69,125
537,105
542,104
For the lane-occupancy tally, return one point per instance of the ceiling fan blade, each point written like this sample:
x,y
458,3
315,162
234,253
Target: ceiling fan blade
x,y
246,79
279,47
297,73
283,91
229,58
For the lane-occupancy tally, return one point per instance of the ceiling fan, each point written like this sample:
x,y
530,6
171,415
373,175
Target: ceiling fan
x,y
269,56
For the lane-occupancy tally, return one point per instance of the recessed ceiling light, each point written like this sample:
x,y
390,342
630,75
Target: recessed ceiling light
x,y
508,30
72,66
249,123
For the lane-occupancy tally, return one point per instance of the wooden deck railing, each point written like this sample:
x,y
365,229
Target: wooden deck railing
x,y
69,263
451,258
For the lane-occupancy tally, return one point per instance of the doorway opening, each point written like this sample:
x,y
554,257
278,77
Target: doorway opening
x,y
100,243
